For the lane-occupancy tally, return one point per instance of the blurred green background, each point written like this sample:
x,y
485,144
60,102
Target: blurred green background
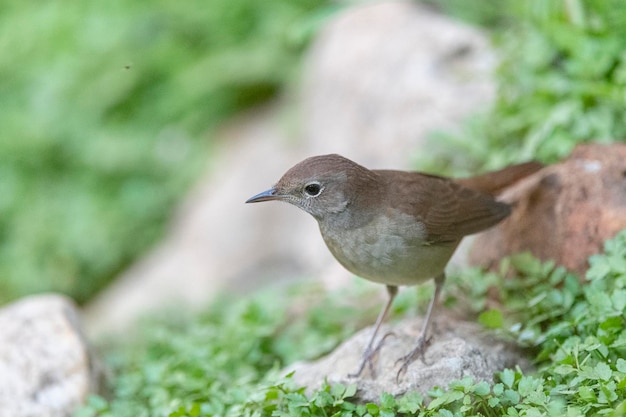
x,y
107,110
561,80
106,116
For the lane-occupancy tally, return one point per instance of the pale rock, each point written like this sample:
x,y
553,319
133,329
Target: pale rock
x,y
457,349
46,367
384,75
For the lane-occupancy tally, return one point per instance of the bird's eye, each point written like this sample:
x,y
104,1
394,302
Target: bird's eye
x,y
313,189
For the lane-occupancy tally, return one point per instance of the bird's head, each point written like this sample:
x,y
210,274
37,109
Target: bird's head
x,y
321,185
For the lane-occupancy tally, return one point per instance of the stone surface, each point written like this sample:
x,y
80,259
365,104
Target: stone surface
x,y
377,80
46,367
457,349
383,75
564,212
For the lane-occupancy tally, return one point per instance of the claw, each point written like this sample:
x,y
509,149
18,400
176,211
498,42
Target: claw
x,y
418,352
369,355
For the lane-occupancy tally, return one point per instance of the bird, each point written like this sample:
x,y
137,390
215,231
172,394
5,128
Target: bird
x,y
397,228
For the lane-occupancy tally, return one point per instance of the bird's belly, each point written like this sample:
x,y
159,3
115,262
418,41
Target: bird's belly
x,y
390,256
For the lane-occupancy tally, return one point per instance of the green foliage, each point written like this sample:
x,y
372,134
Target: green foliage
x,y
580,334
561,81
548,293
218,362
105,109
488,13
223,363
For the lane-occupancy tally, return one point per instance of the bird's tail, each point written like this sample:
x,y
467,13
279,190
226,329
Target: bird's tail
x,y
495,181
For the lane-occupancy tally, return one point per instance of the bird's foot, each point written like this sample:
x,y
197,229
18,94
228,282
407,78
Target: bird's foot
x,y
417,352
368,357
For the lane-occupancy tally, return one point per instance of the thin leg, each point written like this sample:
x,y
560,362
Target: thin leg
x,y
420,348
369,353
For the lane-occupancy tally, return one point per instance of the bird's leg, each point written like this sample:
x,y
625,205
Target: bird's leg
x,y
420,348
370,352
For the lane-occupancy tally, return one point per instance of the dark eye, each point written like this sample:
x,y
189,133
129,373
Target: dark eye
x,y
313,189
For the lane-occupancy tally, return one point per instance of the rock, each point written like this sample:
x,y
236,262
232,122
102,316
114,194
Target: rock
x,y
564,212
46,367
457,349
382,76
378,79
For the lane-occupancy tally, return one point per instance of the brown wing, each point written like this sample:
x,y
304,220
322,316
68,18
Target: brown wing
x,y
449,210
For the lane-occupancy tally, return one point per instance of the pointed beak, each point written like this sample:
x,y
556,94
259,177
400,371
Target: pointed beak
x,y
268,195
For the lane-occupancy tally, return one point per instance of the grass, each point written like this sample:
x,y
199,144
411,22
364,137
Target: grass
x,y
225,361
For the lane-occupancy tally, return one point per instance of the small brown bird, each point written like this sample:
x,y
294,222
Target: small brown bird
x,y
393,227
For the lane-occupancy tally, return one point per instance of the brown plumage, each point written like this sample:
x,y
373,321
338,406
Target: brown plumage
x,y
393,227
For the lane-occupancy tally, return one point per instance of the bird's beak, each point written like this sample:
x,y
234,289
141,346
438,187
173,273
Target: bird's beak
x,y
269,195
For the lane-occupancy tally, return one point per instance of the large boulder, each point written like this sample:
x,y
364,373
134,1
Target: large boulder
x,y
564,212
381,76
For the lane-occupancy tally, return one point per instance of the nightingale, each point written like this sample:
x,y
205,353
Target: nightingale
x,y
393,227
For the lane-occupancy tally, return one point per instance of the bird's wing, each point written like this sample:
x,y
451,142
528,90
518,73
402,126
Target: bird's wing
x,y
448,210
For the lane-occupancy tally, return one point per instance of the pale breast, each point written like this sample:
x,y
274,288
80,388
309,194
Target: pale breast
x,y
390,249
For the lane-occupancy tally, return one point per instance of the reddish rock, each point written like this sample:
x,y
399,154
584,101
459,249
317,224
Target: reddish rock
x,y
564,212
